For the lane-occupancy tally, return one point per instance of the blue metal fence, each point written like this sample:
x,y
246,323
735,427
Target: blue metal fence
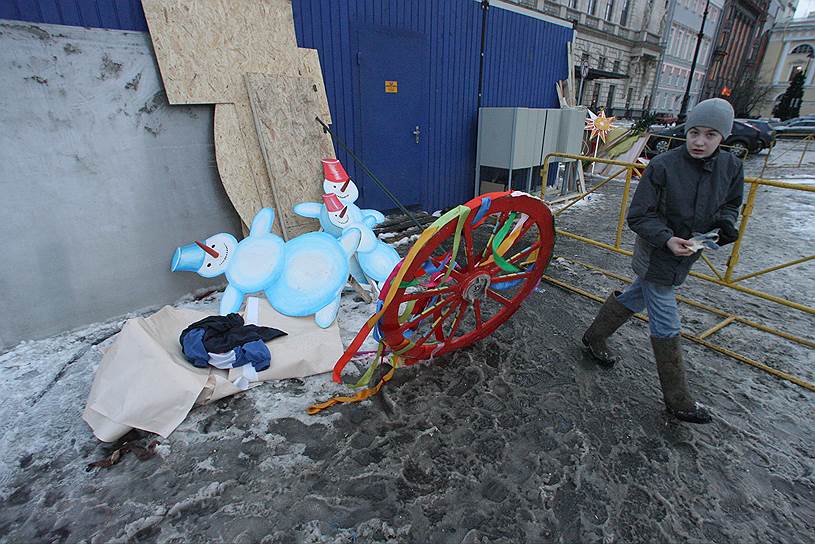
x,y
118,14
525,57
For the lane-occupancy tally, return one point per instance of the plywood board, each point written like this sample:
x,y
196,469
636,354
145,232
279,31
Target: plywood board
x,y
284,110
242,185
201,45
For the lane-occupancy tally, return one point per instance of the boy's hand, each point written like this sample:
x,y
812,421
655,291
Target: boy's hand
x,y
727,232
679,246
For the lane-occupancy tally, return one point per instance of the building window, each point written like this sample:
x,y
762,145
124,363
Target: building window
x,y
610,99
595,95
803,50
601,63
573,4
624,14
628,98
590,9
609,9
617,66
795,69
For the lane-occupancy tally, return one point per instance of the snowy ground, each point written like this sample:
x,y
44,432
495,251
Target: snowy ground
x,y
519,438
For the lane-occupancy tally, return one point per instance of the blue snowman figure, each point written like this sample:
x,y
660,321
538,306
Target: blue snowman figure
x,y
303,276
373,259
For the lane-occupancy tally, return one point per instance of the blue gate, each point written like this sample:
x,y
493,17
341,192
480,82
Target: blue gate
x,y
525,56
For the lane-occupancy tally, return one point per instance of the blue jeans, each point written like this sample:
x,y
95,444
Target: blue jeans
x,y
659,300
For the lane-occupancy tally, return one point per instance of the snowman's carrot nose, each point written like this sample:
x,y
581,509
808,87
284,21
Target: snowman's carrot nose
x,y
342,213
345,185
208,249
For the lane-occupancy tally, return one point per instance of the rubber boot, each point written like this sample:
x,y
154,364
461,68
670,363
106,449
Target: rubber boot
x,y
611,316
678,401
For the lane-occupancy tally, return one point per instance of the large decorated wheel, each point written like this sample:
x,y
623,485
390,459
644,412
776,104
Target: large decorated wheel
x,y
468,276
465,275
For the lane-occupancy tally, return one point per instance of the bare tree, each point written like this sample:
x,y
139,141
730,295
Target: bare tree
x,y
747,95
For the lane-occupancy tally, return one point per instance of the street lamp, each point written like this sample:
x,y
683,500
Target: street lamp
x,y
684,109
584,72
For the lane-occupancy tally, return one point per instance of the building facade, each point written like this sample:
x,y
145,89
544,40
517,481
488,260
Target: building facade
x,y
791,49
738,49
679,39
620,41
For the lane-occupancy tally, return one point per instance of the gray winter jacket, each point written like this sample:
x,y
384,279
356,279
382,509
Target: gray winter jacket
x,y
678,195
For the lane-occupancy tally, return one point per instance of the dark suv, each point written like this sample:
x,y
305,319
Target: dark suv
x,y
744,140
766,133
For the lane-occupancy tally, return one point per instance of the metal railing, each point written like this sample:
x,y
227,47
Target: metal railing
x,y
723,278
804,139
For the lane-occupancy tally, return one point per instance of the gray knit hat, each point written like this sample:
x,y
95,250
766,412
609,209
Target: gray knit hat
x,y
715,113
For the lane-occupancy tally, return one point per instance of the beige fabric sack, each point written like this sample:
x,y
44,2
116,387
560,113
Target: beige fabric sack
x,y
144,381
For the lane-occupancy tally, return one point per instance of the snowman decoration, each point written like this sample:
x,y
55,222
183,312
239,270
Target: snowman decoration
x,y
373,259
337,182
301,277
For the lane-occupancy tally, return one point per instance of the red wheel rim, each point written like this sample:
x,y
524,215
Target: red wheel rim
x,y
479,294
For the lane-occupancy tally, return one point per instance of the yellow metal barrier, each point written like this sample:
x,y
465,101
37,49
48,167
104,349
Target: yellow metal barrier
x,y
724,278
805,138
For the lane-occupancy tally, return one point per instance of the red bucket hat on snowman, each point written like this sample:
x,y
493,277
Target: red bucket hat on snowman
x,y
335,173
332,203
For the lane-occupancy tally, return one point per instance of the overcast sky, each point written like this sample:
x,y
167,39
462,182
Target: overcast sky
x,y
804,7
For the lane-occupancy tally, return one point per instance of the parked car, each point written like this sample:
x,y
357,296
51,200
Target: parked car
x,y
744,140
796,128
666,118
767,134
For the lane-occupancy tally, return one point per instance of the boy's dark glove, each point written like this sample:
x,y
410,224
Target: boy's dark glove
x,y
727,232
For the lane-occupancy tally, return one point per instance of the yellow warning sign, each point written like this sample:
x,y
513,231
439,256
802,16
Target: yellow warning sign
x,y
391,86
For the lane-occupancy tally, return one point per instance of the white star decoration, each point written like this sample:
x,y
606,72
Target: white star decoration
x,y
599,125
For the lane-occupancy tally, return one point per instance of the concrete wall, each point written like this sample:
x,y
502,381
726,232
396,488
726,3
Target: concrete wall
x,y
100,179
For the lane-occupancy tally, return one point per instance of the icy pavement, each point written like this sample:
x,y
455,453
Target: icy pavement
x,y
519,438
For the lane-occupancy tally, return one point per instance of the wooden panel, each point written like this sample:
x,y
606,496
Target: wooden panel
x,y
244,188
284,109
204,48
202,44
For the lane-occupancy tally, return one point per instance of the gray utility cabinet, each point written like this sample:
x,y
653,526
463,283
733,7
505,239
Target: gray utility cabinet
x,y
520,138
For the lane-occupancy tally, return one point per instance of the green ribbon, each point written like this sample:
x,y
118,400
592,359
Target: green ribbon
x,y
496,242
366,378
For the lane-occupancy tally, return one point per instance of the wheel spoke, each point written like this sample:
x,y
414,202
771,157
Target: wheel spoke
x,y
435,329
468,249
427,313
491,267
421,295
459,318
525,253
477,311
499,221
498,298
511,277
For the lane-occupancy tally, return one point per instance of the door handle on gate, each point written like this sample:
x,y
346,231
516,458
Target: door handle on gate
x,y
416,133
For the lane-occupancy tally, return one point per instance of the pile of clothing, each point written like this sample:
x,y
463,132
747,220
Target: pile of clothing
x,y
226,342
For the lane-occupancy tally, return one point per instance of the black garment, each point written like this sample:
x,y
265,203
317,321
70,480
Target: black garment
x,y
225,333
678,195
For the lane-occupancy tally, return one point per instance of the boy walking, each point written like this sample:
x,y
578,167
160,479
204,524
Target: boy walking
x,y
692,188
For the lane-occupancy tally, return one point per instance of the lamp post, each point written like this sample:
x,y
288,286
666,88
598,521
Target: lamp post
x,y
684,109
584,71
